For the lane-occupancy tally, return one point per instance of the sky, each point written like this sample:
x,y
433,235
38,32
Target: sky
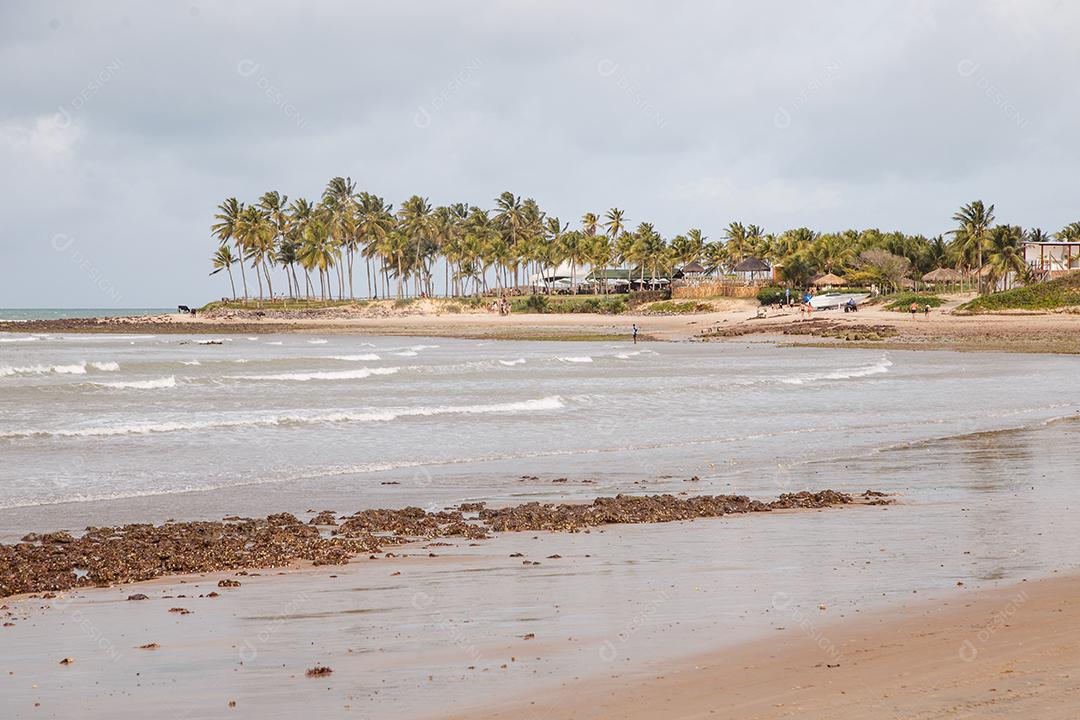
x,y
123,124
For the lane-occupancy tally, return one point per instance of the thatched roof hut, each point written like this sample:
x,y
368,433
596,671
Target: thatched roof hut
x,y
752,265
943,275
829,280
692,268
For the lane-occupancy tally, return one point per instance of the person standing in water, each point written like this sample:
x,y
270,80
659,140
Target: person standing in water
x,y
635,333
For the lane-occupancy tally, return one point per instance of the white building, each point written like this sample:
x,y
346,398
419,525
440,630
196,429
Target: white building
x,y
1052,257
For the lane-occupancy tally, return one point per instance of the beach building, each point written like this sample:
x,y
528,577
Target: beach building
x,y
752,269
1052,258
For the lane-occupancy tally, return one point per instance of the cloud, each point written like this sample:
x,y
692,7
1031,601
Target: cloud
x,y
127,123
47,139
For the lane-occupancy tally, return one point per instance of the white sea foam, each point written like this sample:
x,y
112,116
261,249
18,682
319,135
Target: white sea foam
x,y
407,353
878,368
19,339
105,366
354,358
9,370
275,342
357,374
317,342
553,402
518,361
156,384
576,359
190,362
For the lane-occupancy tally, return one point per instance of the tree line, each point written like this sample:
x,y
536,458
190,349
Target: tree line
x,y
353,241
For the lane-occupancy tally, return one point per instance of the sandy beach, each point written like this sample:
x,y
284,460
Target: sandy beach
x,y
1011,652
733,319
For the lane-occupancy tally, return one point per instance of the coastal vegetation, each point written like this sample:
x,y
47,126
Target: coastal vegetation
x,y
351,244
1051,295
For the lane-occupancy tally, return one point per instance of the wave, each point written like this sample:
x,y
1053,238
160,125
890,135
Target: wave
x,y
190,362
105,366
576,359
357,374
354,358
76,369
553,402
406,353
158,384
518,361
275,342
878,368
20,339
317,342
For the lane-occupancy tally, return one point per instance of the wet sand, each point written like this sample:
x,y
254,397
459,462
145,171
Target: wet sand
x,y
1011,652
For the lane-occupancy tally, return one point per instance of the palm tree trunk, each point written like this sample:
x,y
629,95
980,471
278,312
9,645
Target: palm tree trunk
x,y
231,283
243,275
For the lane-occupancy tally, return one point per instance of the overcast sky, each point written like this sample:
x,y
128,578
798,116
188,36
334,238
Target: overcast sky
x,y
123,124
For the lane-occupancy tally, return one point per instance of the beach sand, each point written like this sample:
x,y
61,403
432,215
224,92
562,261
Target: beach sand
x,y
734,320
1010,652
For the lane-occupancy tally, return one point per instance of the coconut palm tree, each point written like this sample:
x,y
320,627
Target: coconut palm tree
x,y
1005,253
415,222
320,252
374,221
614,227
257,238
222,259
274,206
228,215
975,220
339,207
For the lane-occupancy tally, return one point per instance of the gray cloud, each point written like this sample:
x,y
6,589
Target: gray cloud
x,y
124,123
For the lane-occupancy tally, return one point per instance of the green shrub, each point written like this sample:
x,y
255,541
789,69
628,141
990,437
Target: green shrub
x,y
680,308
1059,293
404,302
773,294
536,303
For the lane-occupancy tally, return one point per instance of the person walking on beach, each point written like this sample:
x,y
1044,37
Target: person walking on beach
x,y
635,333
926,311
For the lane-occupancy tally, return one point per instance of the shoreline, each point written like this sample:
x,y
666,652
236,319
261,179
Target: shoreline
x,y
1005,651
872,328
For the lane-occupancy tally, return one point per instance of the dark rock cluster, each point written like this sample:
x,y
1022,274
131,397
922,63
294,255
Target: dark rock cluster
x,y
114,555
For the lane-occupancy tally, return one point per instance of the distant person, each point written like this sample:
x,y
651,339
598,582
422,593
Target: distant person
x,y
914,309
635,333
926,311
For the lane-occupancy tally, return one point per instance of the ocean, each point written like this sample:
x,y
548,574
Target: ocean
x,y
20,314
977,449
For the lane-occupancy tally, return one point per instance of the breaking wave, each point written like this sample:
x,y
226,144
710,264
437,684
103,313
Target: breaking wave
x,y
878,368
157,384
357,374
553,402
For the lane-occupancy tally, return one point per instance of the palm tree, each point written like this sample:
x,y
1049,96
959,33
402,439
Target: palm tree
x,y
257,237
222,259
416,224
320,252
273,206
224,229
1005,253
511,220
975,220
614,226
374,221
339,206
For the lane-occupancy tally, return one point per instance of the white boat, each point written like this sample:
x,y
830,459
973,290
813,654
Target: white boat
x,y
829,301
